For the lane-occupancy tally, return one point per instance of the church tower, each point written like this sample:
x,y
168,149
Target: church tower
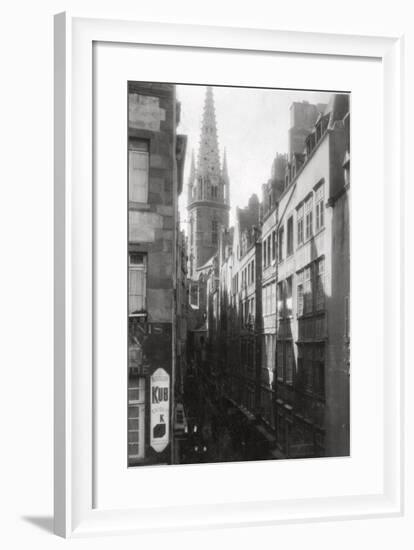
x,y
208,192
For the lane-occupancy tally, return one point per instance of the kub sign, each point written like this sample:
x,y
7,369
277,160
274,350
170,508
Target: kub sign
x,y
160,408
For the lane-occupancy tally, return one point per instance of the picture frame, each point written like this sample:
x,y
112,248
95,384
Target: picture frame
x,y
75,475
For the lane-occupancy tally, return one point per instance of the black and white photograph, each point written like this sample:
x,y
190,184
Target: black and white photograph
x,y
238,274
219,332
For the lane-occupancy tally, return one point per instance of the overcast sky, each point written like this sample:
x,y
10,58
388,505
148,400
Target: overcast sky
x,y
252,125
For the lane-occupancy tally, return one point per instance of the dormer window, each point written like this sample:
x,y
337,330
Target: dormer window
x,y
318,132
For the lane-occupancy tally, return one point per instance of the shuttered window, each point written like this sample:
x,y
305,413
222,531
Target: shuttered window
x,y
308,218
136,419
137,283
138,171
320,280
319,200
307,290
300,297
300,225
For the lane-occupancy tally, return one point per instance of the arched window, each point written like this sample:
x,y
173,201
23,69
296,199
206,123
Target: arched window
x,y
214,232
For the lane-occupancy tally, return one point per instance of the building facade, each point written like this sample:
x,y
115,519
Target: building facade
x,y
312,230
155,165
279,294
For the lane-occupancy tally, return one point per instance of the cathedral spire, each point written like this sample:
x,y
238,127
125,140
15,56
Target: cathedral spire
x,y
225,177
208,195
208,164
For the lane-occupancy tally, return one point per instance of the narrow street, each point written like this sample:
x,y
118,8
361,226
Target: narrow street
x,y
217,430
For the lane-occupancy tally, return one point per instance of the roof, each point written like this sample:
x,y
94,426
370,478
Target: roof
x,y
209,263
249,216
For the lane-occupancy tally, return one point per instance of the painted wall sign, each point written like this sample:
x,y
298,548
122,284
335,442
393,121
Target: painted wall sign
x,y
160,408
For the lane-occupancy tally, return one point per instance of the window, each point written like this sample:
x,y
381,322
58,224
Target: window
x,y
307,290
289,243
288,296
289,363
252,264
236,283
214,232
319,370
308,218
300,298
311,368
285,361
264,254
138,161
279,364
284,298
320,291
246,311
201,187
280,251
300,225
194,294
319,201
214,191
280,300
136,419
273,245
271,349
137,283
269,244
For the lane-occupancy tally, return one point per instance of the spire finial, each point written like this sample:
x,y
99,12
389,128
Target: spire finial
x,y
208,155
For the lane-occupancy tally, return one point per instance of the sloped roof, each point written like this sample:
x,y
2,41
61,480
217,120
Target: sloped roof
x,y
209,263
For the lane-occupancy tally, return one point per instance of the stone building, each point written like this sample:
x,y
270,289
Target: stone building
x,y
155,163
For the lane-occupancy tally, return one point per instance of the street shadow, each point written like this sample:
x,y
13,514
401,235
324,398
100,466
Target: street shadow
x,y
42,522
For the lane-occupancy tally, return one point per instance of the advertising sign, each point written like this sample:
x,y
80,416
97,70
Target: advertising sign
x,y
160,408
